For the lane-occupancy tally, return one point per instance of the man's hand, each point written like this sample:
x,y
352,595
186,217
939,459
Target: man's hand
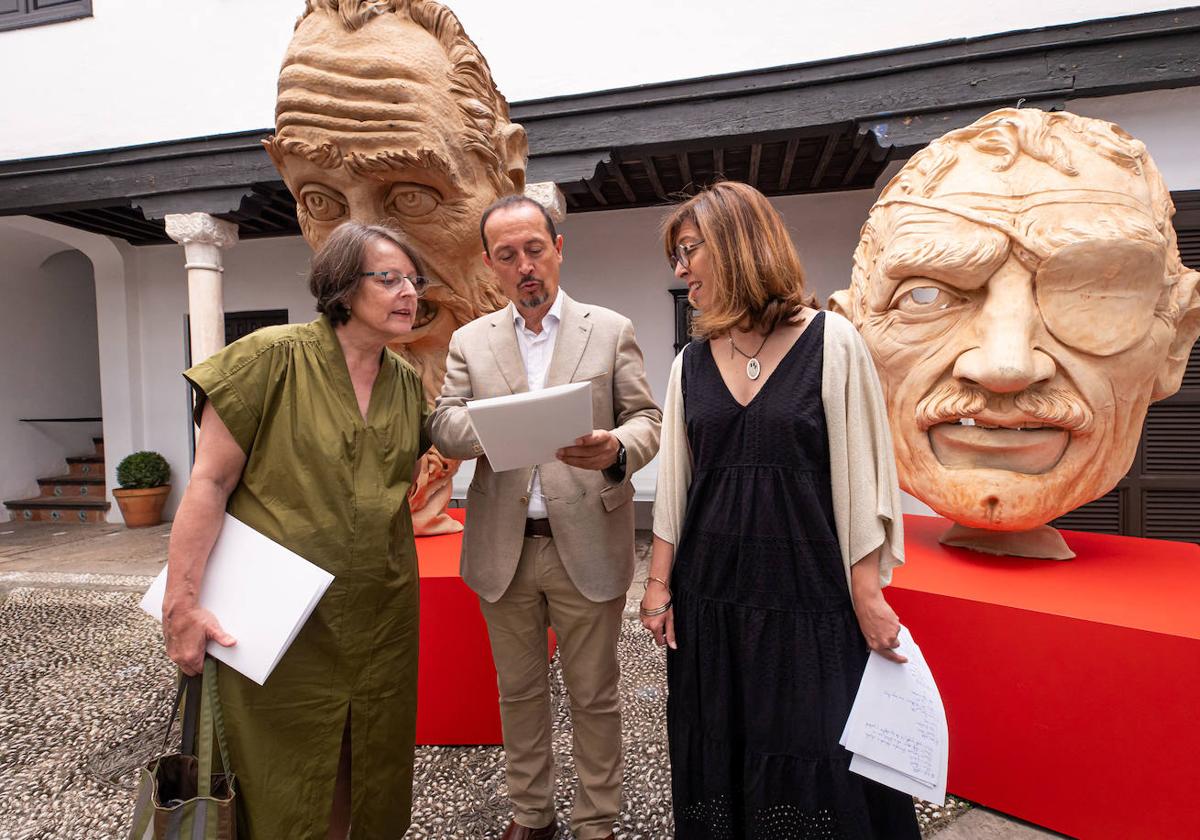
x,y
594,451
186,632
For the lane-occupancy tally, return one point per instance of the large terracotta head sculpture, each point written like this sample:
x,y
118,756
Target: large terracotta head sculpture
x,y
1020,288
387,114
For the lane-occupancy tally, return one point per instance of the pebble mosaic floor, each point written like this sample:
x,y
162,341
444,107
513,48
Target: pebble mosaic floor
x,y
84,691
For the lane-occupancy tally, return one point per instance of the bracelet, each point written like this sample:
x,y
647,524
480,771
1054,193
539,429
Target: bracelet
x,y
656,610
646,583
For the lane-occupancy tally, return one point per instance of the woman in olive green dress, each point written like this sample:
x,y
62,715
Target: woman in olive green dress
x,y
310,434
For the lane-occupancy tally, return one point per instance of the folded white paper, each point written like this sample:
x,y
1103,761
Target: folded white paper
x,y
261,592
526,429
897,725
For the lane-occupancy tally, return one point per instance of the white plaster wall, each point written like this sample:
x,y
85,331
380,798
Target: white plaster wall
x,y
141,71
48,343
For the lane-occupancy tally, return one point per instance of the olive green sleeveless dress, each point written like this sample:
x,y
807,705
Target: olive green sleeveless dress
x,y
332,488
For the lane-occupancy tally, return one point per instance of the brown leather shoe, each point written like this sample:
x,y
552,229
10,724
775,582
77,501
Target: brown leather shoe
x,y
515,831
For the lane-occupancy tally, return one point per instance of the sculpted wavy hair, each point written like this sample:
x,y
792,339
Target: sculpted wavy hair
x,y
336,270
758,281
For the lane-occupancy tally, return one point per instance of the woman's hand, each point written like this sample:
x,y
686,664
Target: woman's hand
x,y
218,468
658,593
661,627
186,632
878,621
879,624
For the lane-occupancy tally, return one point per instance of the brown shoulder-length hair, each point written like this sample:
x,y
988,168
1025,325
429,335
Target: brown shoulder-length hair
x,y
336,269
757,280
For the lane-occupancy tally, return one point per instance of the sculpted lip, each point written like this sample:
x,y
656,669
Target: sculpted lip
x,y
1018,445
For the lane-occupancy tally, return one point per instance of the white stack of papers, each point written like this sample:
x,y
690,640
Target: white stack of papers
x,y
897,727
260,592
526,429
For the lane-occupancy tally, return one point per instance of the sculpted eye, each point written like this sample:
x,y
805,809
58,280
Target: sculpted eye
x,y
924,300
413,200
321,204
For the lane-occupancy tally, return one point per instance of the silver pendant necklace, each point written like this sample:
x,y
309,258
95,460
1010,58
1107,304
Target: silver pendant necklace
x,y
753,367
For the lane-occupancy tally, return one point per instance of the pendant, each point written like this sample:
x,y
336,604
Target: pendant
x,y
753,368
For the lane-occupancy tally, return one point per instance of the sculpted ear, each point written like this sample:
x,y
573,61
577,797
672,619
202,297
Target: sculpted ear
x,y
273,153
839,302
1186,297
514,151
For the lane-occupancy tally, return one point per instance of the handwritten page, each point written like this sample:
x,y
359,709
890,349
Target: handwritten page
x,y
261,592
897,726
526,429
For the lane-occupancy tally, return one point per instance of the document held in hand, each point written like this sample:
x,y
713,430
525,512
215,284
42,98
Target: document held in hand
x,y
897,727
261,592
523,430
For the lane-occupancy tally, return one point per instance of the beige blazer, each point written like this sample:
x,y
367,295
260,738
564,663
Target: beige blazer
x,y
866,491
591,517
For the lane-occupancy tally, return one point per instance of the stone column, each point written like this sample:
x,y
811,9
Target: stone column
x,y
202,237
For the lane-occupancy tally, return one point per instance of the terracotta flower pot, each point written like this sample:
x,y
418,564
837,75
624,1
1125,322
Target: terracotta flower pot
x,y
142,507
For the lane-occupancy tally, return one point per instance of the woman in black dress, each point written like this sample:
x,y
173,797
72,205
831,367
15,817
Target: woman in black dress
x,y
767,617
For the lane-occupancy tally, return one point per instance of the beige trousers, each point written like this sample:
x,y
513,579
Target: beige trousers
x,y
541,595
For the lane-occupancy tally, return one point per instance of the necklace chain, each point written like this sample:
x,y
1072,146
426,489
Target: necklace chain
x,y
743,352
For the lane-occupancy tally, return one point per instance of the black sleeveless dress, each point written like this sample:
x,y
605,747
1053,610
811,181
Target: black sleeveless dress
x,y
769,650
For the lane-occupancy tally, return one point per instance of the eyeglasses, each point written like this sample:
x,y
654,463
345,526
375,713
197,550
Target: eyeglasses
x,y
682,254
389,280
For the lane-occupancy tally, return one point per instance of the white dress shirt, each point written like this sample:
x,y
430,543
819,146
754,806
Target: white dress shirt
x,y
536,351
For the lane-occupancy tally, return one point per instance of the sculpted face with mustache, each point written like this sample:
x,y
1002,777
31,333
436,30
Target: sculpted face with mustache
x,y
1020,289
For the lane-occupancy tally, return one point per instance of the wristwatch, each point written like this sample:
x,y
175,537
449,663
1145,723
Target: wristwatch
x,y
616,470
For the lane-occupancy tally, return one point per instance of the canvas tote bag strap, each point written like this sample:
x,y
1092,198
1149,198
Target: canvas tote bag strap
x,y
211,721
191,711
186,689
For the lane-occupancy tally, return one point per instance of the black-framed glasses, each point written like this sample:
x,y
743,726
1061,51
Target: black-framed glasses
x,y
682,254
390,280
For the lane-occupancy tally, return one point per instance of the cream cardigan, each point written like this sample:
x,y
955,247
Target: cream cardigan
x,y
866,495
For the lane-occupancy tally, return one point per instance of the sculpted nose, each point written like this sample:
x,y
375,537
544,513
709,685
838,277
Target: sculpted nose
x,y
1005,358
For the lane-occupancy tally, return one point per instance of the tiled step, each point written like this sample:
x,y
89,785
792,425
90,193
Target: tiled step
x,y
58,509
68,486
86,465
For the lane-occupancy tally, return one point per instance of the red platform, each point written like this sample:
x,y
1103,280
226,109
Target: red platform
x,y
457,698
1071,688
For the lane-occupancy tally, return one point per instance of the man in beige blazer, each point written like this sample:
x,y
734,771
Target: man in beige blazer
x,y
551,546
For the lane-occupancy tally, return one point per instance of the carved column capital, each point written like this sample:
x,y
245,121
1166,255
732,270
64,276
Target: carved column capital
x,y
201,229
547,194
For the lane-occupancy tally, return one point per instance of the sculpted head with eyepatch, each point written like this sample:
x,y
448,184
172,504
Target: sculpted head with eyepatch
x,y
1020,288
387,114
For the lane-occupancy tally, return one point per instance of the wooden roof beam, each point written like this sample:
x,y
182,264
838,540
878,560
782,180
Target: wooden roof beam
x,y
755,161
685,170
719,161
826,156
859,157
652,174
789,160
594,189
614,169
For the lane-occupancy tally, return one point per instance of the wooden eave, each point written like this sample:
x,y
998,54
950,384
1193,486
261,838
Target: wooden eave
x,y
812,127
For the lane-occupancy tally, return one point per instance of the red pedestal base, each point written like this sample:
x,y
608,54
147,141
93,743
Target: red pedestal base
x,y
457,698
1070,687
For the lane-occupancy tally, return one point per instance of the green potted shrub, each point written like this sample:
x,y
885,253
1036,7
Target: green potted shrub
x,y
143,477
